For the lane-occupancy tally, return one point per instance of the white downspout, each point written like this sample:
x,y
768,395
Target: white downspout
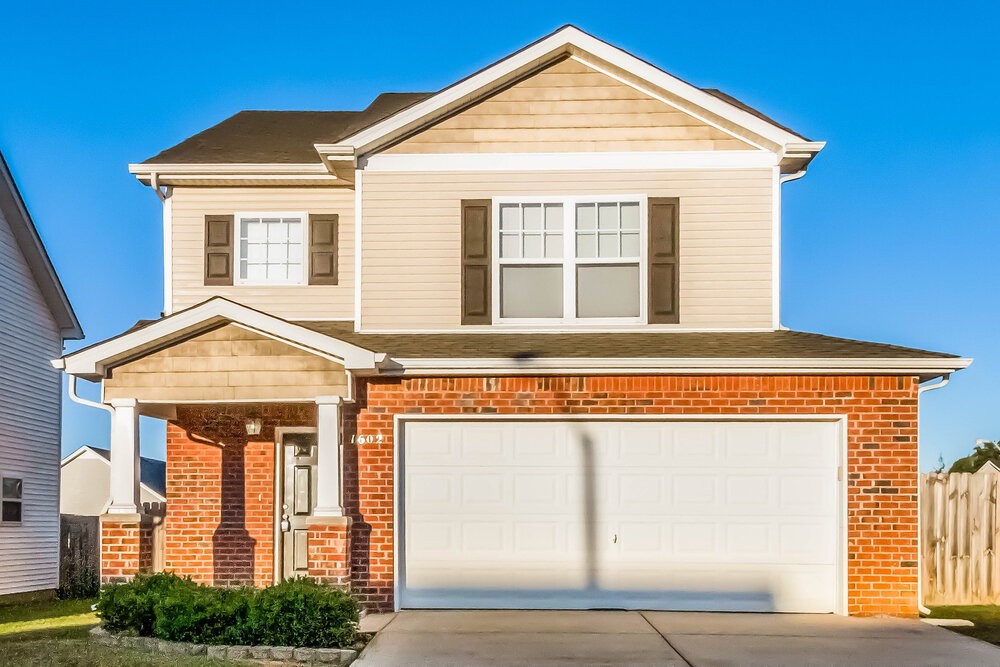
x,y
777,181
920,531
164,195
73,396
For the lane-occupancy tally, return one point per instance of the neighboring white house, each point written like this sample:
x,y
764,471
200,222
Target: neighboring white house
x,y
86,480
35,319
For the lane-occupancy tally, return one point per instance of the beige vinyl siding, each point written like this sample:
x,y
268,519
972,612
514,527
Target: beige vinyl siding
x,y
189,206
570,107
229,363
30,405
725,231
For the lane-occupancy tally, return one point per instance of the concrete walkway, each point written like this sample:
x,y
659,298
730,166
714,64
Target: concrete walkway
x,y
661,638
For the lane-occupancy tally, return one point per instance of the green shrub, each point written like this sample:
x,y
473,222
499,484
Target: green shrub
x,y
79,581
203,615
301,612
130,607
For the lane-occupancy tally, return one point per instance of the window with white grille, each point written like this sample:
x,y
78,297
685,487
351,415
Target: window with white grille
x,y
270,249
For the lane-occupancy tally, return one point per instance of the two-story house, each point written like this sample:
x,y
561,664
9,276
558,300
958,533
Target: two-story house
x,y
516,343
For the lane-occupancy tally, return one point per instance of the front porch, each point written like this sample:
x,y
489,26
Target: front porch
x,y
225,486
255,409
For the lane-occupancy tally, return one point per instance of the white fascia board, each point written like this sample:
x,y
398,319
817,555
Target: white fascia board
x,y
92,361
223,168
563,41
405,162
839,366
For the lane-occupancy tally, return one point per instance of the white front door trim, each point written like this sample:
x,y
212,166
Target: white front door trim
x,y
399,429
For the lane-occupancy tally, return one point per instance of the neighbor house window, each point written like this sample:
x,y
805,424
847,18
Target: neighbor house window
x,y
570,259
11,489
269,248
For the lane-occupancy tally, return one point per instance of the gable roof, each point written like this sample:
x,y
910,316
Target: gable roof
x,y
315,138
92,362
152,472
30,243
571,41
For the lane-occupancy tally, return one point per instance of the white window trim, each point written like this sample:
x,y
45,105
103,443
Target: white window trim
x,y
237,225
569,261
12,524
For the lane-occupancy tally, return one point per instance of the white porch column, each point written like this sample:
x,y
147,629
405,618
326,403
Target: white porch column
x,y
328,467
124,457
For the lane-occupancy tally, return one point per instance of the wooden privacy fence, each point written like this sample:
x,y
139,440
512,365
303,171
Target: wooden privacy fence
x,y
960,533
79,555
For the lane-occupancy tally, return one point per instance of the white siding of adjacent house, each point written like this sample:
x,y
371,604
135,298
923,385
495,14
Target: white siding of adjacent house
x,y
30,405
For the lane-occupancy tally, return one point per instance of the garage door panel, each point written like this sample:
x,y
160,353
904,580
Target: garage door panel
x,y
659,515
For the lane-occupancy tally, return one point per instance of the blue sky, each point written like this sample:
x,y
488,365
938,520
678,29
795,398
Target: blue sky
x,y
892,236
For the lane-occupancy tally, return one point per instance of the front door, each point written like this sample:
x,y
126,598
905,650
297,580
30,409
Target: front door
x,y
298,498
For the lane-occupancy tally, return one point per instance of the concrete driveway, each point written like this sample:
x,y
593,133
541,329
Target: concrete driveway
x,y
661,638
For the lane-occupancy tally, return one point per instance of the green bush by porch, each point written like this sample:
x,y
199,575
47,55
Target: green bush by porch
x,y
298,612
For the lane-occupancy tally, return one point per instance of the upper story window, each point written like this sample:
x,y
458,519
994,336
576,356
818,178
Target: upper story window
x,y
569,259
11,489
269,248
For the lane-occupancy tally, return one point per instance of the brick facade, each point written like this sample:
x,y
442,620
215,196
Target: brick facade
x,y
126,546
220,486
220,490
882,468
330,552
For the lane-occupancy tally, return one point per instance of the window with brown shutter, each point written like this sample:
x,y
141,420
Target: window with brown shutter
x,y
219,249
323,249
476,258
664,260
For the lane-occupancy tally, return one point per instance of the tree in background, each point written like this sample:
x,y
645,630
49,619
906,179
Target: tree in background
x,y
984,452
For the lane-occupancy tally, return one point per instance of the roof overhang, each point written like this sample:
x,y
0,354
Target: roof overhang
x,y
93,363
925,368
14,210
307,174
794,150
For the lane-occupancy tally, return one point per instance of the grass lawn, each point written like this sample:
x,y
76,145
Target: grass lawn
x,y
986,618
56,633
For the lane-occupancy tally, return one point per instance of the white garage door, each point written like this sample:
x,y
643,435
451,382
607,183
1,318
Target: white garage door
x,y
697,515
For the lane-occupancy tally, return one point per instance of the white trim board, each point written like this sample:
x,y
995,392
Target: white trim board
x,y
692,366
93,362
570,161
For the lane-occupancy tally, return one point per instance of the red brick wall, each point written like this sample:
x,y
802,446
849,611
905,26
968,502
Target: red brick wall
x,y
329,553
881,467
126,547
220,492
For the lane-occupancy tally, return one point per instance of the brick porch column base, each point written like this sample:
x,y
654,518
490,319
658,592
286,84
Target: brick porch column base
x,y
330,550
126,546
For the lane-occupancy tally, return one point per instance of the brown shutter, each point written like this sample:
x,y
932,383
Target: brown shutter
x,y
219,249
664,260
476,259
323,249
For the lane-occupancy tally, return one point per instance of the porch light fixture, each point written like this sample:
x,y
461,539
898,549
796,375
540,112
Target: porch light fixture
x,y
253,426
